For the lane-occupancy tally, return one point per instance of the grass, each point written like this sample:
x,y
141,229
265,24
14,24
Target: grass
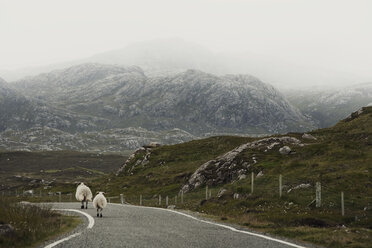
x,y
32,224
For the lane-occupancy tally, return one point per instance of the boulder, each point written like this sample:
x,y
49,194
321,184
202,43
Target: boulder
x,y
285,150
221,193
308,136
6,229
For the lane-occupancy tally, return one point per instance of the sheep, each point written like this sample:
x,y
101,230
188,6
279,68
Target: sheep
x,y
83,194
99,202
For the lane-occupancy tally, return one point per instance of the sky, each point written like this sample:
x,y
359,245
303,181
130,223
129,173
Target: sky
x,y
331,34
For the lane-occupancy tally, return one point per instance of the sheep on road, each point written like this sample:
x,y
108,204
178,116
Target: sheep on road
x,y
83,194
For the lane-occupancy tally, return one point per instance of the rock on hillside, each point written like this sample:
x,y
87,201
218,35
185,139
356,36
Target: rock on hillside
x,y
229,167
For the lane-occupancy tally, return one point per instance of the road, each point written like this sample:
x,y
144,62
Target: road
x,y
133,226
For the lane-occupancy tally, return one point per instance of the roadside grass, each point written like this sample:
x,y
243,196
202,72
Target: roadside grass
x,y
32,224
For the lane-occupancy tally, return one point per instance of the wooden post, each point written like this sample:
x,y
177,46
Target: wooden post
x,y
318,195
206,192
109,199
182,197
342,204
122,198
252,182
140,200
159,200
175,200
166,201
280,186
59,196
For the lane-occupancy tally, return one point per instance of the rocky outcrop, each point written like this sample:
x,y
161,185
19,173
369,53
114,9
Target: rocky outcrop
x,y
285,150
228,167
138,158
308,136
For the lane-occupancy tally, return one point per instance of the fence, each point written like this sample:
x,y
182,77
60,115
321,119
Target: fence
x,y
302,191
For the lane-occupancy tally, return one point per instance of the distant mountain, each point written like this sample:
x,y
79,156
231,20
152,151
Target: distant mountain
x,y
19,112
110,140
194,101
327,107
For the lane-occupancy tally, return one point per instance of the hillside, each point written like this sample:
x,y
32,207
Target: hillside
x,y
193,101
338,157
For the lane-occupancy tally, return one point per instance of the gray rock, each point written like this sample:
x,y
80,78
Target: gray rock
x,y
285,150
6,229
221,192
308,136
227,167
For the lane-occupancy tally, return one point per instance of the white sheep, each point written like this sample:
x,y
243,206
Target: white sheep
x,y
83,194
99,202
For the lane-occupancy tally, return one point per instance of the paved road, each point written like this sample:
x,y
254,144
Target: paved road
x,y
131,226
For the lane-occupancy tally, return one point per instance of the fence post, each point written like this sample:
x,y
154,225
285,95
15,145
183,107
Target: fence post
x,y
166,201
206,192
318,195
182,197
280,186
140,200
159,199
252,182
342,204
122,198
175,200
59,196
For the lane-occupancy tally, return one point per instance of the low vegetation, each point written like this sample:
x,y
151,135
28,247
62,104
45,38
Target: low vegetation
x,y
28,225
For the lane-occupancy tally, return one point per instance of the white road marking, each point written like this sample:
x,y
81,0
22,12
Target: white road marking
x,y
90,225
217,224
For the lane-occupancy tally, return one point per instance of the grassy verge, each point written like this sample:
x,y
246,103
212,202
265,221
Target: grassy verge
x,y
32,224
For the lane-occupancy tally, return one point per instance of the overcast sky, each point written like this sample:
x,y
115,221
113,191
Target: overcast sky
x,y
332,34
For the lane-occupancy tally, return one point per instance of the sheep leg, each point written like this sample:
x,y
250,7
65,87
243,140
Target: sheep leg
x,y
97,212
101,213
82,204
86,204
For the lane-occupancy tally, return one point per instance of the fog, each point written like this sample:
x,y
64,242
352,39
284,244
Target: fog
x,y
289,43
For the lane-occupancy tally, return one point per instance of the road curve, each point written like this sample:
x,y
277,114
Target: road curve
x,y
132,226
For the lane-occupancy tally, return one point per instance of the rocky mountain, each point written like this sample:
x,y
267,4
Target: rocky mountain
x,y
194,101
19,112
327,107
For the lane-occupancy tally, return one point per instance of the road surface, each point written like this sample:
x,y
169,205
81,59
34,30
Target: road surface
x,y
133,226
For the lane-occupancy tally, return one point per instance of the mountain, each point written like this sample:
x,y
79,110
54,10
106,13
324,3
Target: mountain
x,y
19,112
327,107
194,101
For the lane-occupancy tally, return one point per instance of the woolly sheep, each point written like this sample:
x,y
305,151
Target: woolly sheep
x,y
99,202
83,194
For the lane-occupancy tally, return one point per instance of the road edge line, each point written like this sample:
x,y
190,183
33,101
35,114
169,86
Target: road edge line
x,y
90,225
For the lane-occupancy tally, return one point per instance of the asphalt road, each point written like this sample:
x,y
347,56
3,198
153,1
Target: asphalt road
x,y
132,226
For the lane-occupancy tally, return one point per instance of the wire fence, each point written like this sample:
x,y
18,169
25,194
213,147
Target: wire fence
x,y
305,192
